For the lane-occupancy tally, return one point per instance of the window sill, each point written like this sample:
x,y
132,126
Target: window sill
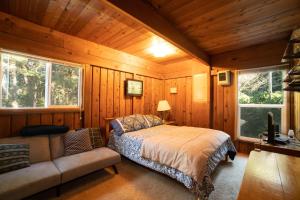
x,y
248,139
10,111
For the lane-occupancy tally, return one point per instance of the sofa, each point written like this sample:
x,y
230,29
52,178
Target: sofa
x,y
49,167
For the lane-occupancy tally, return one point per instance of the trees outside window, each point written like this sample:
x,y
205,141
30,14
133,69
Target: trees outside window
x,y
29,82
260,92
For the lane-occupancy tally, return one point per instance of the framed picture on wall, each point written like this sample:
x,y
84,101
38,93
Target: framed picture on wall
x,y
133,87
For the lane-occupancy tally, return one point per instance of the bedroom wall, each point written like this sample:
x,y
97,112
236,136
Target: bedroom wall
x,y
224,97
104,95
23,36
186,107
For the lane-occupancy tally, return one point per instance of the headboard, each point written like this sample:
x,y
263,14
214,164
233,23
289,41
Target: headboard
x,y
107,127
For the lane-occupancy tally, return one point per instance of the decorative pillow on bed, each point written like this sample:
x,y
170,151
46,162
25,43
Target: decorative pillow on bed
x,y
129,123
153,120
13,157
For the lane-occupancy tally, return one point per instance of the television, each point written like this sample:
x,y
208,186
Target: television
x,y
271,132
133,87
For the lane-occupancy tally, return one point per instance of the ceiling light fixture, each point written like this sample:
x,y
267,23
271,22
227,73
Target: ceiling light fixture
x,y
160,48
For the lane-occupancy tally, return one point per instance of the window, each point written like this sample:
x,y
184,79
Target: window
x,y
33,82
260,92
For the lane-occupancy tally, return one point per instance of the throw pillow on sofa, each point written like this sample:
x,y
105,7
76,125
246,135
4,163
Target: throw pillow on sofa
x,y
97,140
77,142
13,157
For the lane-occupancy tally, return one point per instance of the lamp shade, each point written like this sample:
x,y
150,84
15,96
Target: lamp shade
x,y
163,105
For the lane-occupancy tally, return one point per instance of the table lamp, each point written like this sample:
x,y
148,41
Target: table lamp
x,y
163,107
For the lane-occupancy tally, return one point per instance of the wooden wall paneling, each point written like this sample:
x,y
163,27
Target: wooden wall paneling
x,y
77,121
180,101
137,100
103,96
167,85
96,97
5,125
33,119
88,78
20,35
110,94
128,99
46,119
219,120
142,98
230,107
147,95
188,101
172,102
116,92
17,122
69,120
58,119
122,94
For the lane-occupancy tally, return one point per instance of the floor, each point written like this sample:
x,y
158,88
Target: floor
x,y
139,183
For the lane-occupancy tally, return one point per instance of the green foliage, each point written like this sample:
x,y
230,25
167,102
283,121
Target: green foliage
x,y
23,82
257,89
26,83
64,85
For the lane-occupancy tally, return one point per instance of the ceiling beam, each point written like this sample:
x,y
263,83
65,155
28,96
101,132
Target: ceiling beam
x,y
152,20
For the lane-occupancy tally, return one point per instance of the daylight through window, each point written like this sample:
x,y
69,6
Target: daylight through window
x,y
32,82
260,92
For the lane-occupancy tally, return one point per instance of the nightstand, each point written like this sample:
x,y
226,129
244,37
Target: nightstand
x,y
170,123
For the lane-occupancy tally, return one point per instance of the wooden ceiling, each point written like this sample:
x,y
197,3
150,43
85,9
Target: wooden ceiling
x,y
215,26
223,25
93,21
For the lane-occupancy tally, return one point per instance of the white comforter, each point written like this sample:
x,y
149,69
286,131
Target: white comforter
x,y
184,148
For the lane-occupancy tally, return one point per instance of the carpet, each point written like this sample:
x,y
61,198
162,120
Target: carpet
x,y
135,182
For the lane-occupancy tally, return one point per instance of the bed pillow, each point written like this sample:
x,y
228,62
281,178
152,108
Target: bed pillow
x,y
77,142
13,157
129,123
153,120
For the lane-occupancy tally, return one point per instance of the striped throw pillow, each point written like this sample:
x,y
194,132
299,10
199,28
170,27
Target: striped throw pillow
x,y
77,142
13,157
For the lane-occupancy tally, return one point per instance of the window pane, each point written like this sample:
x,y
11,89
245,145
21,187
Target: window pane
x,y
64,85
22,81
261,87
254,121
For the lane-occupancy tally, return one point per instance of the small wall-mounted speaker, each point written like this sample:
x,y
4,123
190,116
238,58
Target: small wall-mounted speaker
x,y
224,77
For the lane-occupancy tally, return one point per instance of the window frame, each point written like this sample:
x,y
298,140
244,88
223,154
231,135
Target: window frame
x,y
47,105
283,107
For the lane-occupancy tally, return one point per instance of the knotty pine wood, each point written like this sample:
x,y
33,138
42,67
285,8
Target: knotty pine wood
x,y
11,124
108,95
224,26
19,35
91,20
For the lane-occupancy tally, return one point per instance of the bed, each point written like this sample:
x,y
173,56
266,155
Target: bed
x,y
177,152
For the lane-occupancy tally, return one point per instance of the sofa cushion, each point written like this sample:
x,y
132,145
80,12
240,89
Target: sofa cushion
x,y
57,146
30,180
81,164
13,157
77,142
39,146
